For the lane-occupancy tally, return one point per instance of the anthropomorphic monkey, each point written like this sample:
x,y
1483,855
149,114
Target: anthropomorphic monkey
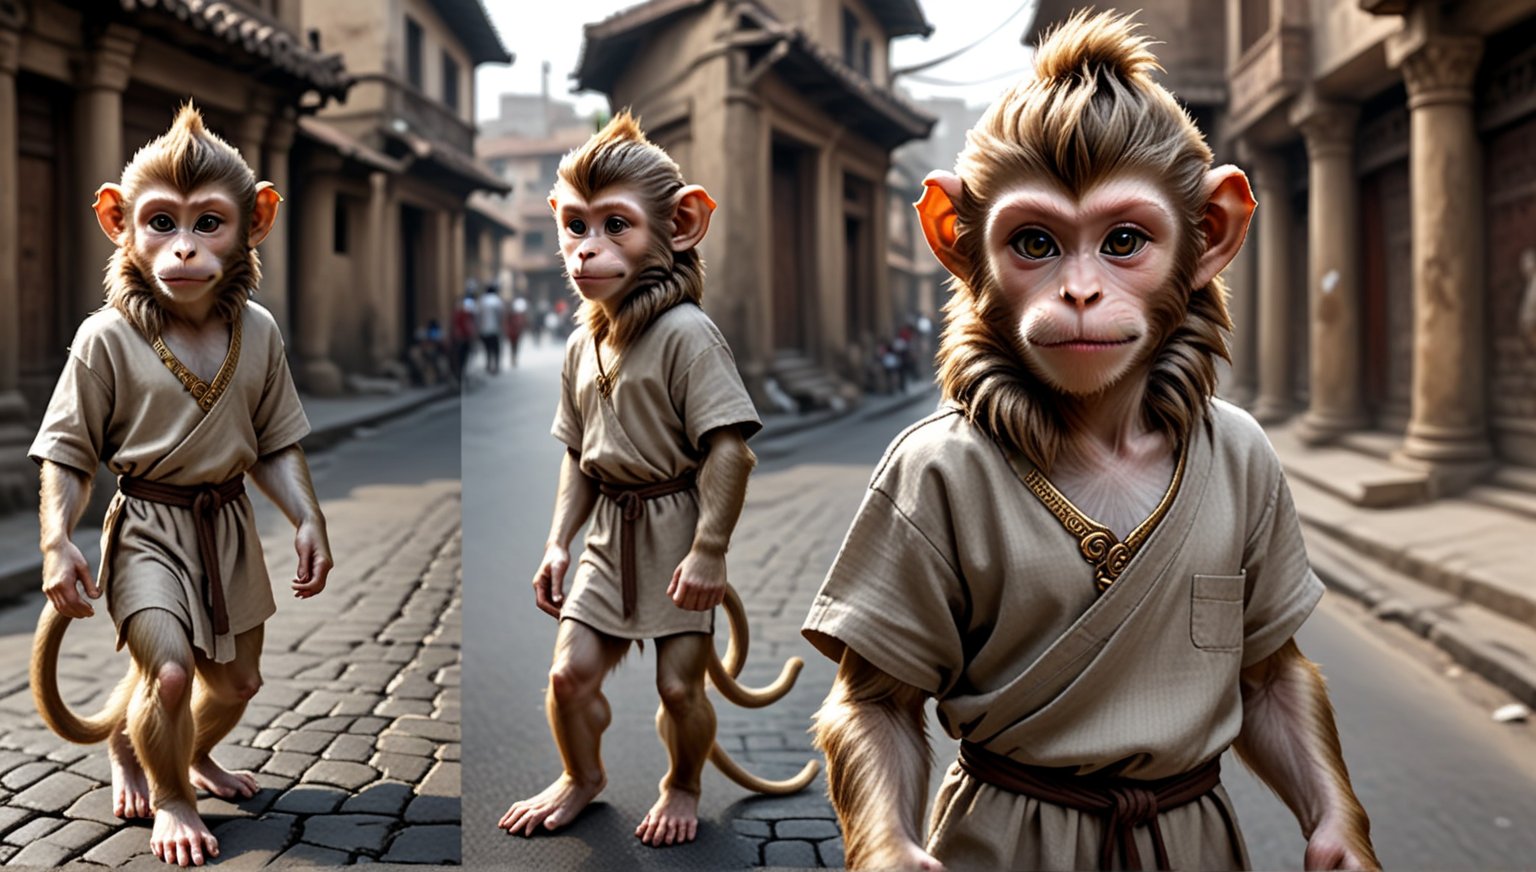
x,y
1092,565
655,420
180,386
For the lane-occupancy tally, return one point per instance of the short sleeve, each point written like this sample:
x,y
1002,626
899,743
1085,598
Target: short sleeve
x,y
279,420
1281,588
567,427
709,394
73,432
892,597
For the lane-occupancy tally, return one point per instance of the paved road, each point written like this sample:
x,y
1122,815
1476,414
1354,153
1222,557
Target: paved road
x,y
1446,787
354,736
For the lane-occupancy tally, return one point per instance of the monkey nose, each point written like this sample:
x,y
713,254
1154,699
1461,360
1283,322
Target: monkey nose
x,y
1080,297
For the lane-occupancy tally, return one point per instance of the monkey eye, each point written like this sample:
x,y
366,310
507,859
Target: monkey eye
x,y
1034,244
577,227
615,225
162,223
209,223
1123,242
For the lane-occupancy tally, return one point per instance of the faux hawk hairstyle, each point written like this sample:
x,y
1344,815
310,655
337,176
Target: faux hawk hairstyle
x,y
1090,111
620,154
185,158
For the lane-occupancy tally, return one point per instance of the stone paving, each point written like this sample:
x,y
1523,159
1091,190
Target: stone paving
x,y
791,528
354,738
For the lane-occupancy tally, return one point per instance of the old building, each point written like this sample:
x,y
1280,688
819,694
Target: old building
x,y
1394,143
82,85
782,109
392,230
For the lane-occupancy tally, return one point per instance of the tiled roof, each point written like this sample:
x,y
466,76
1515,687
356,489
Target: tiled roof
x,y
259,36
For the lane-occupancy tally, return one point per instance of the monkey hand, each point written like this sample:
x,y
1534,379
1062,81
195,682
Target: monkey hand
x,y
698,583
65,573
1337,845
904,855
314,549
549,581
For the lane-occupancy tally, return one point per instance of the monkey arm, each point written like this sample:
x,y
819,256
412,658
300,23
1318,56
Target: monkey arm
x,y
284,477
61,501
1291,743
575,498
699,581
872,731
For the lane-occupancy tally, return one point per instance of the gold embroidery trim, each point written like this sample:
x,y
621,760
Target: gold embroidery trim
x,y
206,393
1098,544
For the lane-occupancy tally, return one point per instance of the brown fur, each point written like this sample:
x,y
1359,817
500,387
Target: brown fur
x,y
621,154
1092,96
56,713
185,158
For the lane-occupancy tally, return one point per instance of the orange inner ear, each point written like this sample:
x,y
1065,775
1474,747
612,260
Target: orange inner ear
x,y
936,213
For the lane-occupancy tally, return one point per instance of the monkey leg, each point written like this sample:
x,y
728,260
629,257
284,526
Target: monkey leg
x,y
686,724
130,787
160,725
578,714
219,699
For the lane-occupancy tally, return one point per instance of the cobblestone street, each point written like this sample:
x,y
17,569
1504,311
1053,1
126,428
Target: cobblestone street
x,y
354,737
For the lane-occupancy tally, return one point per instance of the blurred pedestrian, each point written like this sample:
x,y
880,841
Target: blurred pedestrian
x,y
463,333
489,314
517,319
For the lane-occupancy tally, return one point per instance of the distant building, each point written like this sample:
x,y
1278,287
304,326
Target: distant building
x,y
782,109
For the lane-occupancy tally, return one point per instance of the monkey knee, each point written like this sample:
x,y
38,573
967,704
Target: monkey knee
x,y
171,684
246,687
570,682
678,695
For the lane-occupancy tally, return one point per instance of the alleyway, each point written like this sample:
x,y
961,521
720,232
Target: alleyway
x,y
1446,787
354,737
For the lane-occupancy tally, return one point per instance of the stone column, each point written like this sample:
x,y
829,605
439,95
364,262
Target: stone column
x,y
1333,268
18,479
458,252
249,132
383,341
1274,278
99,158
275,280
318,374
1238,385
1447,429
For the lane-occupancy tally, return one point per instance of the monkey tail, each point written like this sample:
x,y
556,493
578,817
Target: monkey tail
x,y
734,771
45,687
722,673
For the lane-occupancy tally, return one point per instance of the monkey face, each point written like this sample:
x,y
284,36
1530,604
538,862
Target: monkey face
x,y
606,242
1076,276
185,241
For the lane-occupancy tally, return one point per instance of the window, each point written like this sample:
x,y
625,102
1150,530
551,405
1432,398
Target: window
x,y
450,82
533,242
850,38
413,53
339,226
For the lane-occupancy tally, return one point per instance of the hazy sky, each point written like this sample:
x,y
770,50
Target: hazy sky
x,y
550,30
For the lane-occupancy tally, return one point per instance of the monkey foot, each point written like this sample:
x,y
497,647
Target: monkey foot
x,y
207,774
557,806
180,837
130,789
674,819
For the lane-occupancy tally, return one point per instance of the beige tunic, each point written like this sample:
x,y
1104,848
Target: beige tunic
x,y
117,403
677,382
957,579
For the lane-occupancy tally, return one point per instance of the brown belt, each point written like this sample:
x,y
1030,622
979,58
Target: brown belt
x,y
1124,803
631,500
205,502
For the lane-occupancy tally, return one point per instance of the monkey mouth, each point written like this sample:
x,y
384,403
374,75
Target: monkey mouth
x,y
184,280
1084,343
588,277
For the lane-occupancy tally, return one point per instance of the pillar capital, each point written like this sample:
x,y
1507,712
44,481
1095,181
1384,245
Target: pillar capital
x,y
280,133
1327,125
1438,68
109,61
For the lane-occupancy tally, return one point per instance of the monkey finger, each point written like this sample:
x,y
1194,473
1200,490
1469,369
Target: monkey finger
x,y
676,574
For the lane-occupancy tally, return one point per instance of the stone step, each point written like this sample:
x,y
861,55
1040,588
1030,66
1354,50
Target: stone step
x,y
1349,475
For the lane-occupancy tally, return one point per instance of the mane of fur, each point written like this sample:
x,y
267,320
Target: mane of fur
x,y
185,158
620,154
1090,111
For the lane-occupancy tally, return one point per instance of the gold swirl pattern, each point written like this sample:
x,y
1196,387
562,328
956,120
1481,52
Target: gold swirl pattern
x,y
205,393
1097,542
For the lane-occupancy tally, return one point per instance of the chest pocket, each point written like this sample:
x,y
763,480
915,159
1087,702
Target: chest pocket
x,y
1216,612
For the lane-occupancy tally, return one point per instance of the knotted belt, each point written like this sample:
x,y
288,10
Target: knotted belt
x,y
1123,803
631,500
205,502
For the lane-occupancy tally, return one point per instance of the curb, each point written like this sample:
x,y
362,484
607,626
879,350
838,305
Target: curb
x,y
768,444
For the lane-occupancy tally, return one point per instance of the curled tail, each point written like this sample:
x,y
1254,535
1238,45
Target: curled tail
x,y
45,687
734,771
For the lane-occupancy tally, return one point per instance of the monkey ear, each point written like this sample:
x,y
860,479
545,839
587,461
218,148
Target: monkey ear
x,y
690,220
109,212
265,213
936,212
1229,207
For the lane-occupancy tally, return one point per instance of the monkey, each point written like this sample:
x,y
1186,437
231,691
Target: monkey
x,y
1090,563
655,422
180,385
